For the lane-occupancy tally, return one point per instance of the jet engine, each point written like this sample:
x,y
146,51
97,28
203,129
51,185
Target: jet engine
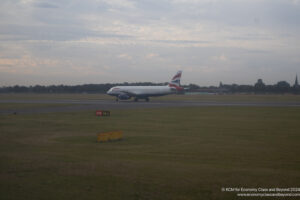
x,y
124,96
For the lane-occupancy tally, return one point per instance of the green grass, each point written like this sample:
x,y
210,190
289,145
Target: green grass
x,y
170,153
15,106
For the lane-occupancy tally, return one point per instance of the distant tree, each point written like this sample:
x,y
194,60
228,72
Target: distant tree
x,y
19,89
282,87
220,84
259,86
270,89
245,88
234,88
193,86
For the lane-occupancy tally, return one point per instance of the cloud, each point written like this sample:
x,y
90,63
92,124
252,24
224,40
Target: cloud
x,y
125,56
210,39
151,55
51,32
221,57
45,5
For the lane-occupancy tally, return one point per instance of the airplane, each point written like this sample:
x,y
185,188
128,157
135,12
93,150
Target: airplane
x,y
144,92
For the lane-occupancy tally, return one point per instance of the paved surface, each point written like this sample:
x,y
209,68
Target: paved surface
x,y
78,105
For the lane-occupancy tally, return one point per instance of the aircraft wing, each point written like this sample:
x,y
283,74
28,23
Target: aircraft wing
x,y
129,93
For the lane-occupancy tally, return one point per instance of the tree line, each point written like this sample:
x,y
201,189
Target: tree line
x,y
85,88
259,87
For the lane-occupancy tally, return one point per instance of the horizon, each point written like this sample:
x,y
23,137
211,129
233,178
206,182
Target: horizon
x,y
101,41
183,84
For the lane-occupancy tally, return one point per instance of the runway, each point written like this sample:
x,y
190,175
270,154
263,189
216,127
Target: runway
x,y
81,105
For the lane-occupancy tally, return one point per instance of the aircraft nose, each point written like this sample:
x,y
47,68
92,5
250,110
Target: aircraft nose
x,y
109,91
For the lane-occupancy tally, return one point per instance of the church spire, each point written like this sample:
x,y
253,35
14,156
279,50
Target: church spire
x,y
296,82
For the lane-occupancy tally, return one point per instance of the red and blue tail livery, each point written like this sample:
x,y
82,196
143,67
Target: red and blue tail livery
x,y
175,82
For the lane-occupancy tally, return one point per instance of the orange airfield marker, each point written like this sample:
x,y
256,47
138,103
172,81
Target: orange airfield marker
x,y
109,136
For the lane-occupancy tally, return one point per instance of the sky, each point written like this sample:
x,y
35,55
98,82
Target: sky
x,y
73,42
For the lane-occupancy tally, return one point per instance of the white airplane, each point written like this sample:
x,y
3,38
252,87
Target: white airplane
x,y
144,92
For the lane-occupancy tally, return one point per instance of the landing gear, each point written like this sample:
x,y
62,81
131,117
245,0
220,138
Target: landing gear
x,y
137,99
117,99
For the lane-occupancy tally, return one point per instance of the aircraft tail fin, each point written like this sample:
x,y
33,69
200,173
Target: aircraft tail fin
x,y
175,82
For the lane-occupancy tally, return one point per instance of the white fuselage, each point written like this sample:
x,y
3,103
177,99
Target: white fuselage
x,y
141,91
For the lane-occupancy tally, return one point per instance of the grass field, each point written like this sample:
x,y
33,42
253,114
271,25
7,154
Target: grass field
x,y
24,106
169,153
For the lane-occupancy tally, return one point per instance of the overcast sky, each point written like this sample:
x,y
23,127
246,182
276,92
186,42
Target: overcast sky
x,y
98,41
